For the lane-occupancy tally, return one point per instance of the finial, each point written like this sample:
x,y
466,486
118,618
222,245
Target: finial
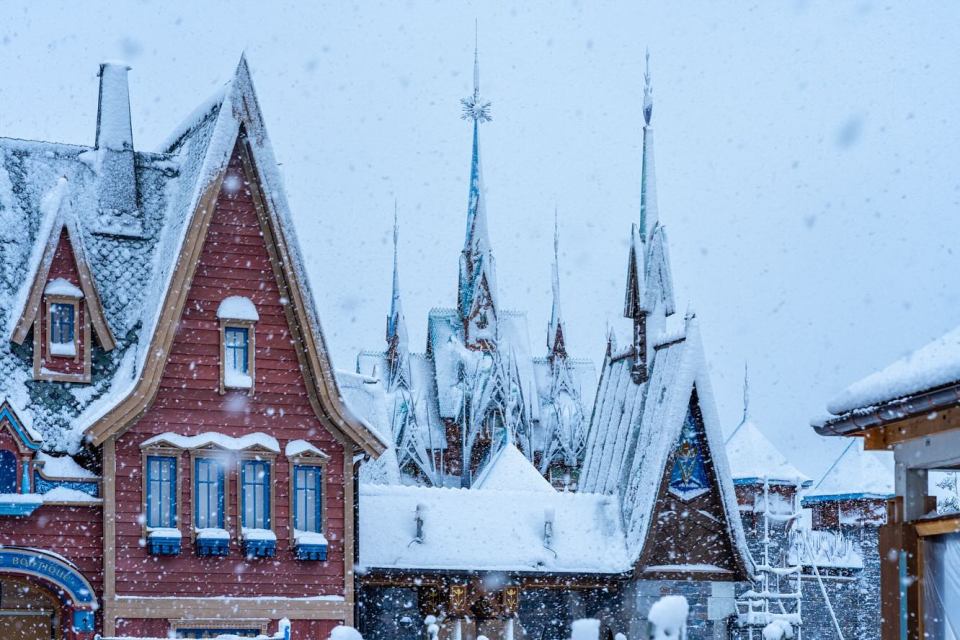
x,y
556,235
746,392
396,228
474,107
647,92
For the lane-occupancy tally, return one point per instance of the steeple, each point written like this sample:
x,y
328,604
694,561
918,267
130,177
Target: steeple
x,y
556,345
477,290
648,177
397,344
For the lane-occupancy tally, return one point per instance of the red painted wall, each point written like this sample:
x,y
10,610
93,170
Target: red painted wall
x,y
76,533
64,266
234,261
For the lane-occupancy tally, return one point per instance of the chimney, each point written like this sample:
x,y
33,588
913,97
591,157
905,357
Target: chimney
x,y
116,178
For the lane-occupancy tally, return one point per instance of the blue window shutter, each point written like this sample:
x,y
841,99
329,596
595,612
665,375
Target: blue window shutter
x,y
161,484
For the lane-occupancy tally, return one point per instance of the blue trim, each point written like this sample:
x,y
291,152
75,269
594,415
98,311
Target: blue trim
x,y
256,467
169,464
19,509
158,546
25,439
83,621
846,496
213,547
313,475
236,345
202,479
260,548
773,481
42,484
40,564
311,552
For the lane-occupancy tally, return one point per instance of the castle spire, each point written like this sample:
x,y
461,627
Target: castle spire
x,y
648,177
397,343
476,295
555,338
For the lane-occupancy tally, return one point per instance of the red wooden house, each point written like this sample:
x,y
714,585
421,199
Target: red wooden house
x,y
161,333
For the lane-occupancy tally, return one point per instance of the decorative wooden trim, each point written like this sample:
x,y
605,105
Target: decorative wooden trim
x,y
271,459
41,338
109,454
224,607
219,623
349,533
164,452
884,437
307,460
939,526
75,305
250,326
90,293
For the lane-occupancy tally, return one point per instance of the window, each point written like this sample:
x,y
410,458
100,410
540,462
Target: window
x,y
63,329
161,492
237,360
255,494
208,492
307,487
8,472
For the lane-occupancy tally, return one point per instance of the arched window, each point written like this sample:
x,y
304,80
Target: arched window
x,y
8,472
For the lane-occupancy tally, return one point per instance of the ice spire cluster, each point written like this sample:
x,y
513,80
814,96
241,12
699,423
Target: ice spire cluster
x,y
397,342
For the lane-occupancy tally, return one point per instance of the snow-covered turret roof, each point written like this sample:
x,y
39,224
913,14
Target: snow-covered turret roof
x,y
855,474
753,458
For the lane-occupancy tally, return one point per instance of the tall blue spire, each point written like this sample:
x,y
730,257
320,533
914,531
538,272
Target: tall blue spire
x,y
648,178
476,295
397,341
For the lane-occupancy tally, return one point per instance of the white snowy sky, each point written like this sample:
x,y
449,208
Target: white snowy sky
x,y
806,159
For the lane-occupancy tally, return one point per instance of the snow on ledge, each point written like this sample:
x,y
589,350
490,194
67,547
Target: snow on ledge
x,y
63,467
62,287
212,533
220,440
296,448
259,534
164,532
237,308
935,364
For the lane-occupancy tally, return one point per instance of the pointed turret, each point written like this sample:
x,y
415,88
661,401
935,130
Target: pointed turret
x,y
397,344
648,176
634,304
556,344
477,291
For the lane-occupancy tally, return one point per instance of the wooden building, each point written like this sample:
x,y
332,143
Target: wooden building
x,y
171,436
912,407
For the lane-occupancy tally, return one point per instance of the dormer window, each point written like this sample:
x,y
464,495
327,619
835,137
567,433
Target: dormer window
x,y
237,317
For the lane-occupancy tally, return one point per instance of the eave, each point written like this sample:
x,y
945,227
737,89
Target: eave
x,y
859,421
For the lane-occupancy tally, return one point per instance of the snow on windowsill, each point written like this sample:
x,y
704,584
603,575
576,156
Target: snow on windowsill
x,y
309,537
63,349
21,498
212,533
259,534
63,287
685,568
237,308
236,380
217,439
164,532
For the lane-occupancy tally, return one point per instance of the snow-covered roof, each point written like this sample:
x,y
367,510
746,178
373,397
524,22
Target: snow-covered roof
x,y
484,530
635,427
753,457
43,184
933,365
855,474
511,471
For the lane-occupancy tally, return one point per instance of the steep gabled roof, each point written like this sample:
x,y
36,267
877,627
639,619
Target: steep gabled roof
x,y
237,117
635,427
753,458
38,270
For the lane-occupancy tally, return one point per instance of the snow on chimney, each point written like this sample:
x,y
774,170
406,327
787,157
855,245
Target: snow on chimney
x,y
114,161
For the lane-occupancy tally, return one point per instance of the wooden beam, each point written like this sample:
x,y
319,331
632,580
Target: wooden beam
x,y
885,437
939,526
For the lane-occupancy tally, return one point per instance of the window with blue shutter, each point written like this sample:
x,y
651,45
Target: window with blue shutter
x,y
208,494
236,349
255,494
161,492
307,487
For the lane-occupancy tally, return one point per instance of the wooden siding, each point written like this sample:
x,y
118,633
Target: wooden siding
x,y
233,261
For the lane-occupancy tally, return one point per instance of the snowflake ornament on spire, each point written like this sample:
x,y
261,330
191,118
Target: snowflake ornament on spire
x,y
474,107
